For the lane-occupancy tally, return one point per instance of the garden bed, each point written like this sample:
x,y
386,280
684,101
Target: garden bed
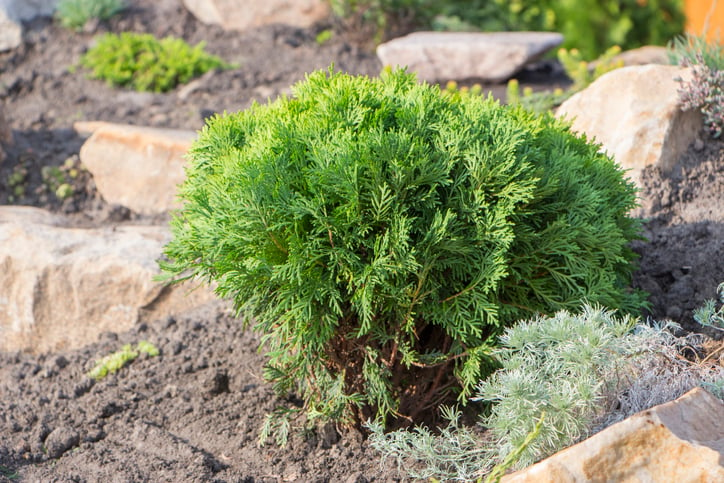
x,y
193,413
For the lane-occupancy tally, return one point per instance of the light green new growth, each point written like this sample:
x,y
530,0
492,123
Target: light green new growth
x,y
144,63
578,70
116,361
581,72
74,14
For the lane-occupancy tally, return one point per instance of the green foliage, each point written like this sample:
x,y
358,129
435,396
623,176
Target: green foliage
x,y
540,102
455,452
116,361
581,72
709,314
8,473
557,365
74,14
63,180
514,456
277,424
144,63
578,70
381,235
592,26
145,347
689,49
381,19
715,387
323,37
17,182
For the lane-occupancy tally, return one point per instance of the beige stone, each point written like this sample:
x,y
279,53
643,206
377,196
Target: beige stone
x,y
444,56
634,112
13,13
62,287
648,54
235,15
136,167
681,441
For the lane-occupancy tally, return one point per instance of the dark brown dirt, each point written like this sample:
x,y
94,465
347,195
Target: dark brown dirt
x,y
193,413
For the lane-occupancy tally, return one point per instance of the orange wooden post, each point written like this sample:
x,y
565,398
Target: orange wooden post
x,y
698,11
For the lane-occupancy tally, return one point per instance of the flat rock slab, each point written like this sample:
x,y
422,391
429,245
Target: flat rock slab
x,y
236,15
134,166
62,287
680,441
488,57
635,114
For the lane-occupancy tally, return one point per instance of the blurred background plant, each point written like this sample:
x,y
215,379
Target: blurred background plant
x,y
581,73
75,14
145,63
591,26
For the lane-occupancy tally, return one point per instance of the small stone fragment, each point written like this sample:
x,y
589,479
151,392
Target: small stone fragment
x,y
61,440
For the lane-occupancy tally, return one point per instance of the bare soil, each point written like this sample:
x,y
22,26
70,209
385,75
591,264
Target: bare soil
x,y
193,413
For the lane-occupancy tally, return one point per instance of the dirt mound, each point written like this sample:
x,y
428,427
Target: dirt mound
x,y
193,412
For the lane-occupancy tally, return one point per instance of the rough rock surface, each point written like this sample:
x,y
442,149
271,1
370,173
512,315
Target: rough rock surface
x,y
682,441
634,113
136,167
489,57
62,287
234,15
14,12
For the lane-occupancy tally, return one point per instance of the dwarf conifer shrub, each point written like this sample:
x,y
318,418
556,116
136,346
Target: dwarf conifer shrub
x,y
381,234
145,63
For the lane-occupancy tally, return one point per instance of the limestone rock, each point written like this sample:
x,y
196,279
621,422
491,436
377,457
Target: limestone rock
x,y
136,167
443,56
63,286
14,12
681,441
235,15
648,54
634,112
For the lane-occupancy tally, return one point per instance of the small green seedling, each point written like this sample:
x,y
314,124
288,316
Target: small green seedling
x,y
116,361
323,37
8,473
